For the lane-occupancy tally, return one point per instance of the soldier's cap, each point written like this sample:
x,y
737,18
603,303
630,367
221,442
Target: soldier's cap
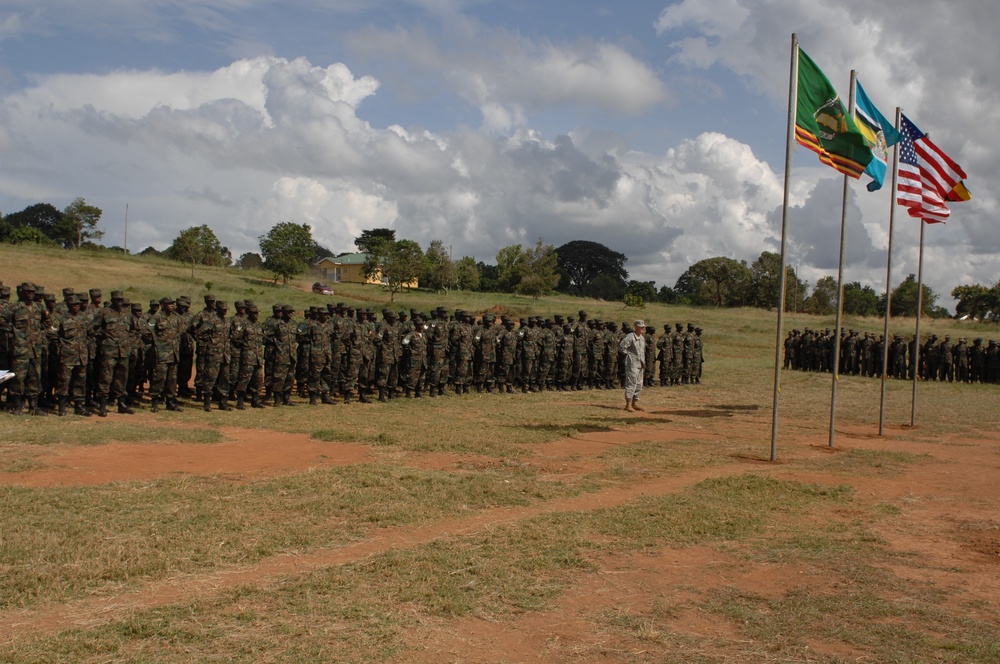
x,y
489,317
288,307
340,305
221,305
117,295
183,299
697,329
978,340
137,306
28,287
370,311
402,313
679,327
240,304
166,299
50,297
73,299
68,291
249,303
5,290
154,303
275,307
690,326
95,292
126,302
638,323
390,314
581,312
570,319
252,308
209,298
557,318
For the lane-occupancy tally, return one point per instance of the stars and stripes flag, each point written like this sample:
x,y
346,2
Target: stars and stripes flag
x,y
927,176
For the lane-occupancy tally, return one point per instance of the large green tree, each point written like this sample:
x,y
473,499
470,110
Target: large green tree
x,y
860,300
583,261
79,224
510,260
724,282
539,270
767,283
439,269
396,263
44,218
824,296
467,274
198,245
904,299
369,238
288,249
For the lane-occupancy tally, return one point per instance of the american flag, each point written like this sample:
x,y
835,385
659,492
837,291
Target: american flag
x,y
926,175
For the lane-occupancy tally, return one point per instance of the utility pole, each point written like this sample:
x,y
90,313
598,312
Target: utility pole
x,y
125,248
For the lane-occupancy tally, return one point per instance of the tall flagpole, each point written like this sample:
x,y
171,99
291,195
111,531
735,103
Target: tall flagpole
x,y
793,90
916,332
835,361
888,284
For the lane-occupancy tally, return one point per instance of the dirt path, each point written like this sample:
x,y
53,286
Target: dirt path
x,y
951,522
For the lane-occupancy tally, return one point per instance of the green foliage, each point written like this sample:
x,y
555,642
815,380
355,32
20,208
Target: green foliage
x,y
42,217
721,281
467,274
369,238
634,301
394,263
509,262
766,294
904,300
978,301
27,235
584,261
645,290
438,270
79,224
539,273
250,261
824,297
197,245
860,300
288,249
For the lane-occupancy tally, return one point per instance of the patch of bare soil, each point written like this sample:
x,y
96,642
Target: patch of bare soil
x,y
947,535
244,455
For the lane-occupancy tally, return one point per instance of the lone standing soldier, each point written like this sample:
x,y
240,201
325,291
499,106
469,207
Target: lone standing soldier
x,y
634,347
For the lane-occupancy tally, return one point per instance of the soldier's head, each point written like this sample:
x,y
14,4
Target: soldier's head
x,y
167,303
209,301
26,291
582,314
286,311
136,309
690,327
679,327
183,304
241,307
50,301
116,299
253,313
221,308
276,310
66,292
5,293
638,326
95,296
73,304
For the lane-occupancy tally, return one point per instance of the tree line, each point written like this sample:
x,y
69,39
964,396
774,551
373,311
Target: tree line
x,y
579,267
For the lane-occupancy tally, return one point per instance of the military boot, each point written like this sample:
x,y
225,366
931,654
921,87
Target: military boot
x,y
277,399
80,409
154,406
381,395
206,403
287,400
408,394
465,389
312,399
255,401
102,408
174,406
224,403
240,399
325,398
63,402
418,394
124,408
362,397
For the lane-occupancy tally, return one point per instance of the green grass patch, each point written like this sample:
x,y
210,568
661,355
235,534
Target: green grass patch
x,y
51,431
865,462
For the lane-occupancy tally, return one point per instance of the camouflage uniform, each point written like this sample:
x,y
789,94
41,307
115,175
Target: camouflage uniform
x,y
23,324
248,355
72,332
164,332
114,326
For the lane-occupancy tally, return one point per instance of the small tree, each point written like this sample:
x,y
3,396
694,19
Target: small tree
x,y
287,249
79,224
395,264
539,270
250,261
439,269
369,238
510,260
197,245
467,274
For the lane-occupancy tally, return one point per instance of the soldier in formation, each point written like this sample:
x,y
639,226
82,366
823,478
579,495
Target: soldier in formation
x,y
91,354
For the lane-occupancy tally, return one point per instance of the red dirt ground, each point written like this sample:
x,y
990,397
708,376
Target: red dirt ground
x,y
950,523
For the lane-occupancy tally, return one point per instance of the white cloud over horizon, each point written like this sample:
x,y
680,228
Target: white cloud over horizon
x,y
265,138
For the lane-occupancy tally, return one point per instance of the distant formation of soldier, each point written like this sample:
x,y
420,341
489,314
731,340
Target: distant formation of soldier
x,y
87,354
934,359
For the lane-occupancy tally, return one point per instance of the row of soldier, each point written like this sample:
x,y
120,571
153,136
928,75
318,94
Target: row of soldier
x,y
935,360
89,354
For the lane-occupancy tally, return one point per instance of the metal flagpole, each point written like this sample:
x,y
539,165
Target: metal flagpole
x,y
888,283
835,360
125,248
793,90
916,332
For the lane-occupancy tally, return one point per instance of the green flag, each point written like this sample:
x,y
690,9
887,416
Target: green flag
x,y
823,124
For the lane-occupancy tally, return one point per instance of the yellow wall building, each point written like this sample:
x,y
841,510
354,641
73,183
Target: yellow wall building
x,y
349,268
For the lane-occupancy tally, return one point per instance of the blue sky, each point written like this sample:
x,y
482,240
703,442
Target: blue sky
x,y
655,128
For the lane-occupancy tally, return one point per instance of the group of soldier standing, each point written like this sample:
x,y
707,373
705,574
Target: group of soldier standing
x,y
86,354
940,360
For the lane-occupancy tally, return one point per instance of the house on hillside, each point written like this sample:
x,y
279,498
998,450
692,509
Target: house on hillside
x,y
349,269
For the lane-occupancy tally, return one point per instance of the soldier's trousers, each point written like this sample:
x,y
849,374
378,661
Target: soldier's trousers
x,y
248,379
113,377
163,385
72,381
27,381
282,378
387,375
210,370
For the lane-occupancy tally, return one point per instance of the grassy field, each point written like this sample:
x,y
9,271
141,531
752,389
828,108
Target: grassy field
x,y
474,524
